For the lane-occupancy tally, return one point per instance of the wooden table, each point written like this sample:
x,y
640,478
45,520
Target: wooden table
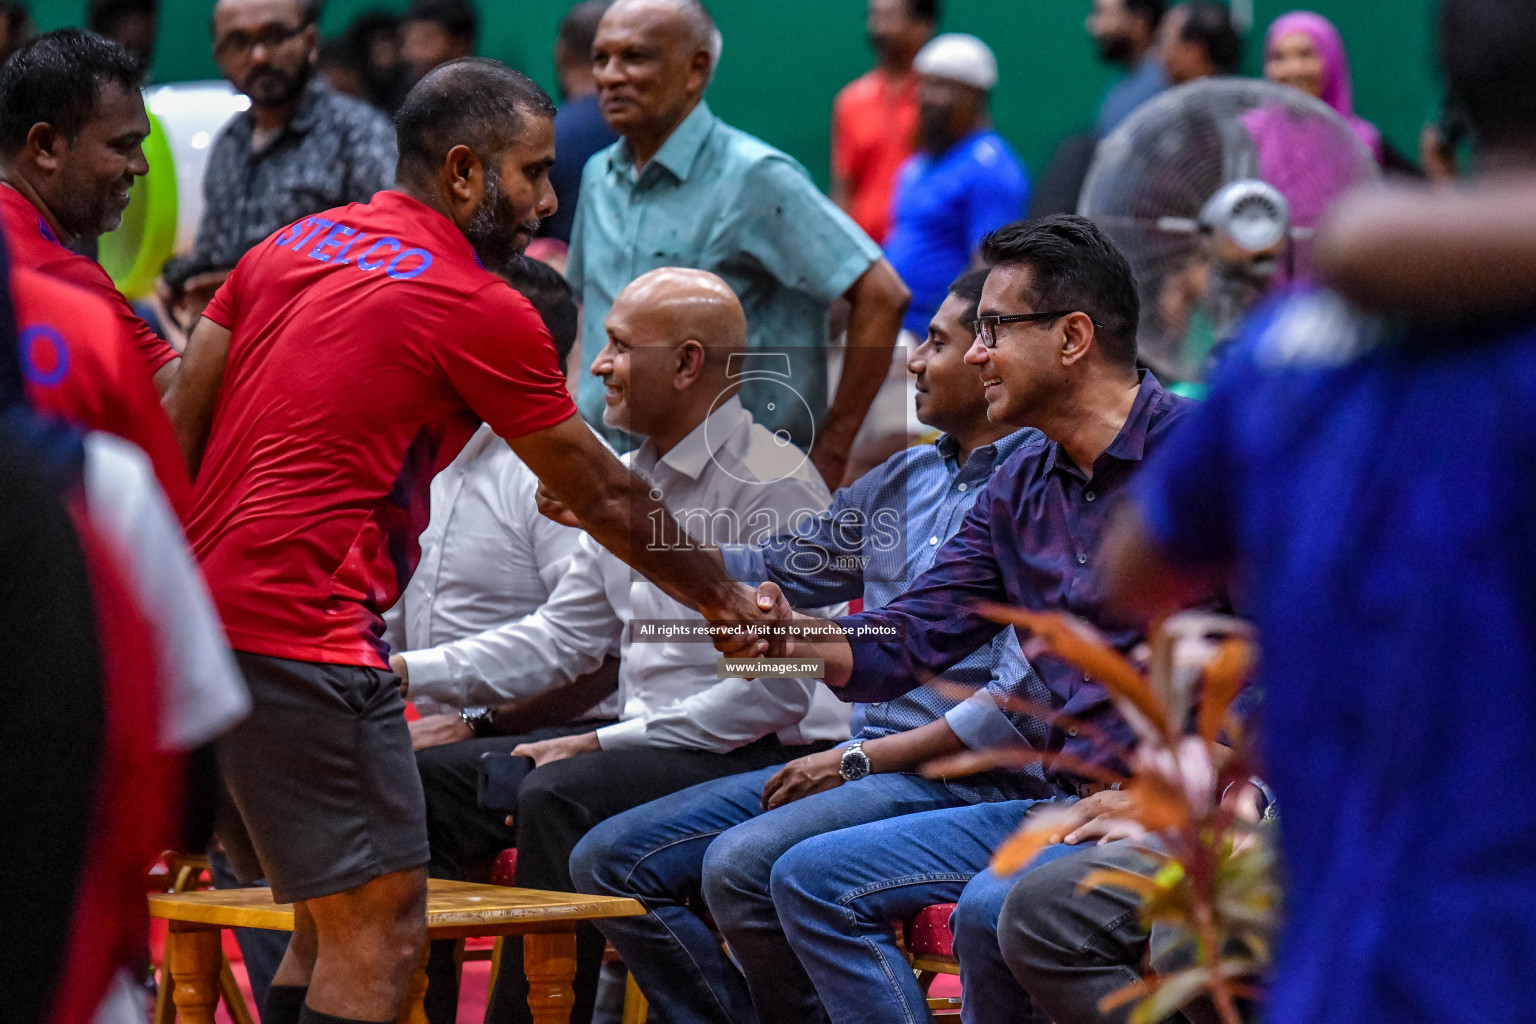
x,y
455,910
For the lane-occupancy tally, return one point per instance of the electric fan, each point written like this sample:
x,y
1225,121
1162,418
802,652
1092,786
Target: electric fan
x,y
1213,190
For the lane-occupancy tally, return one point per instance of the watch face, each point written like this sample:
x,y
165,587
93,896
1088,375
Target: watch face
x,y
855,764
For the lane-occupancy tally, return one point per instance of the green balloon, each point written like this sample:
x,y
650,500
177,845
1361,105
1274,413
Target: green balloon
x,y
134,253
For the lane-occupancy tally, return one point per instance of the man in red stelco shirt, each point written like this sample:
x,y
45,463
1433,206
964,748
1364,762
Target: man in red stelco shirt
x,y
72,125
346,359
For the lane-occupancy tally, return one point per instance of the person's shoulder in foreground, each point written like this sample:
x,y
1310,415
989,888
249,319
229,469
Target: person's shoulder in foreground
x,y
79,363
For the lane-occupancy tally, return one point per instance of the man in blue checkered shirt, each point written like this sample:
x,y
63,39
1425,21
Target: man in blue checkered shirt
x,y
722,838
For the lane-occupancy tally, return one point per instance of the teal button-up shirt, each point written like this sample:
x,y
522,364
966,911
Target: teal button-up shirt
x,y
717,199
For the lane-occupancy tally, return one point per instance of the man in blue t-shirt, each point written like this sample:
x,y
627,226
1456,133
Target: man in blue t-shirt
x,y
963,182
580,129
1372,487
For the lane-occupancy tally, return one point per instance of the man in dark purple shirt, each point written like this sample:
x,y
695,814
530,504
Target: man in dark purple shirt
x,y
1056,350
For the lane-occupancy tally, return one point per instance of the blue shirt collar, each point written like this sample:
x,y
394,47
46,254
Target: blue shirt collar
x,y
678,153
995,453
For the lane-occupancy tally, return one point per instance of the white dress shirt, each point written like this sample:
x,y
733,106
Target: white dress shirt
x,y
488,561
726,482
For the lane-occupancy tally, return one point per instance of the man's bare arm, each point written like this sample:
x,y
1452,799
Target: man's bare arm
x,y
1422,250
194,394
166,376
615,506
877,302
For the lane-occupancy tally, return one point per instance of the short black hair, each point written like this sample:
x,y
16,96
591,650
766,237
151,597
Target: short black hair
x,y
1152,10
1488,54
578,29
968,286
923,10
456,17
550,294
1073,266
55,78
104,16
1209,24
473,101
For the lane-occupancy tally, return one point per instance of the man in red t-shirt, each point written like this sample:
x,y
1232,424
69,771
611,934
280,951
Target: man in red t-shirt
x,y
346,359
72,127
79,364
874,118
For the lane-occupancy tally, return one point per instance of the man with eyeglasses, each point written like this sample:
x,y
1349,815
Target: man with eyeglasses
x,y
299,149
1055,350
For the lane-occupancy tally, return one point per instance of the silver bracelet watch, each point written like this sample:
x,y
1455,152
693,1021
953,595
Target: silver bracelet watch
x,y
855,763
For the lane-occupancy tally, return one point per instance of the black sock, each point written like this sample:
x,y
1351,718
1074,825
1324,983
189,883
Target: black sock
x,y
283,1004
313,1016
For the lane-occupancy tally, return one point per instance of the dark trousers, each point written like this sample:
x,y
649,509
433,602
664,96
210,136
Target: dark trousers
x,y
465,838
1070,950
561,801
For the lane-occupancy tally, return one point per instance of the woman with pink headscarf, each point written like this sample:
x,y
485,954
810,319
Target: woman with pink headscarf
x,y
1308,159
1304,50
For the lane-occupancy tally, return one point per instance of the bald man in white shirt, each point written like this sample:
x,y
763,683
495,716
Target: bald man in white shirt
x,y
676,353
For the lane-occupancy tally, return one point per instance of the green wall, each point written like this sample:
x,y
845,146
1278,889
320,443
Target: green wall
x,y
784,59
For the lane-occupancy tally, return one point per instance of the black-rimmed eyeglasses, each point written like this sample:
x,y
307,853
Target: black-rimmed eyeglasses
x,y
985,327
268,37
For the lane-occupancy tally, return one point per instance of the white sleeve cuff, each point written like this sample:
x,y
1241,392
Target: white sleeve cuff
x,y
428,676
981,725
623,736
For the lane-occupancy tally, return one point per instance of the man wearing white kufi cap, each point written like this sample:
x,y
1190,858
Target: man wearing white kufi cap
x,y
963,182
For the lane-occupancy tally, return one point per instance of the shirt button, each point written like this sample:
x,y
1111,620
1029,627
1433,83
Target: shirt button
x,y
961,487
1082,559
933,540
1089,496
1072,733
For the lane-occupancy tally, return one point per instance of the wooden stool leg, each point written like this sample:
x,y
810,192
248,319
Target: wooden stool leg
x,y
233,999
195,957
165,1010
550,961
636,1009
496,950
412,1011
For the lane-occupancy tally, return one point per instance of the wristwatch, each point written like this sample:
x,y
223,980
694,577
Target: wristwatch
x,y
478,719
855,763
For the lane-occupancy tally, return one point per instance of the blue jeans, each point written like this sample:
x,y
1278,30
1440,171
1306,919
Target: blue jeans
x,y
992,994
714,840
837,895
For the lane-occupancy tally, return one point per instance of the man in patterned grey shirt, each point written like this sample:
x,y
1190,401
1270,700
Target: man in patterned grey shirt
x,y
299,149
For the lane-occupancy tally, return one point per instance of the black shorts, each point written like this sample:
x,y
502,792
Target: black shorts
x,y
322,783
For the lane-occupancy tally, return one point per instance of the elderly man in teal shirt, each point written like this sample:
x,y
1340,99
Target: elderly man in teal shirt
x,y
682,188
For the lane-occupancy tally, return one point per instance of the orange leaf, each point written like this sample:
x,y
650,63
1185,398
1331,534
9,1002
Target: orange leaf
x,y
1157,803
1129,994
1076,643
1225,675
1032,837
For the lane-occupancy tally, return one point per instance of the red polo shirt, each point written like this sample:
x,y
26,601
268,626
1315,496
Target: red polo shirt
x,y
368,344
80,365
34,245
874,130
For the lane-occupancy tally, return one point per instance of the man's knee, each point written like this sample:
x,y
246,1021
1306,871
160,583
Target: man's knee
x,y
801,877
1029,931
974,922
385,918
596,865
737,872
554,788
